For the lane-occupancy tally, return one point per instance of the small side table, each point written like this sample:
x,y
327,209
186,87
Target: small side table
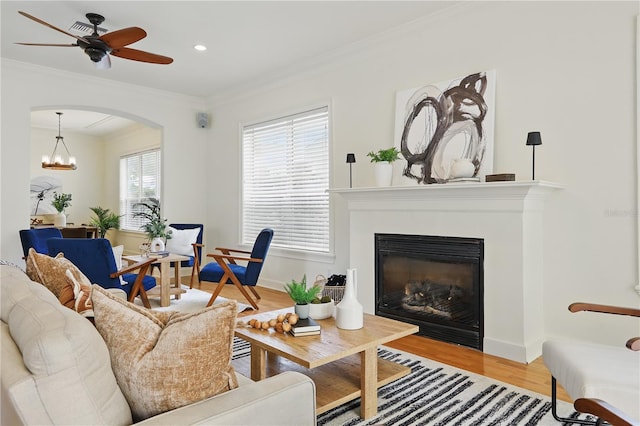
x,y
166,290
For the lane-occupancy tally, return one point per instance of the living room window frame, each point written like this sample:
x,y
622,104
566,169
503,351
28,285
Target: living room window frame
x,y
278,249
127,222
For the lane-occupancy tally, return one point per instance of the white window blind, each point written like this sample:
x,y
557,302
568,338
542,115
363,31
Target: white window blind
x,y
285,180
139,181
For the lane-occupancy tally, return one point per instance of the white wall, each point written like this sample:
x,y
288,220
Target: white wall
x,y
25,87
563,68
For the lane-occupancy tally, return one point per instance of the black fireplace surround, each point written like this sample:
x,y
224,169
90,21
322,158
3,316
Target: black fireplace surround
x,y
434,282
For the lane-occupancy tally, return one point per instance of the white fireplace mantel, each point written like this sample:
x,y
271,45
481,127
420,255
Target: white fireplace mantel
x,y
508,216
496,191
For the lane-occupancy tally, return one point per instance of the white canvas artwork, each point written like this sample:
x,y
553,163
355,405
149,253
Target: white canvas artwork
x,y
41,194
444,131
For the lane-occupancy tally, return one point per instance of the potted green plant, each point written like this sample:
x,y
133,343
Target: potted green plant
x,y
155,226
60,203
321,307
104,220
302,295
389,155
383,160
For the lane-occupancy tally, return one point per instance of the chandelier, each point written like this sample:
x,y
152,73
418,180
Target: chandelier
x,y
56,161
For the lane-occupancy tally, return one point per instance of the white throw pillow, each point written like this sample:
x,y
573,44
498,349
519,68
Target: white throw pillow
x,y
117,254
181,240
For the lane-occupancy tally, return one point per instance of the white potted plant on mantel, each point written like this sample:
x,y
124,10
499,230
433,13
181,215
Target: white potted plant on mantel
x,y
383,160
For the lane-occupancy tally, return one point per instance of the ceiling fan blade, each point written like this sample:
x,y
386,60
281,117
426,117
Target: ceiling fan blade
x,y
120,38
46,24
48,44
139,55
104,63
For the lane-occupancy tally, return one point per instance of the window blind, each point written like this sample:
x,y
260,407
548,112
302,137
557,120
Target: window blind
x,y
285,168
139,181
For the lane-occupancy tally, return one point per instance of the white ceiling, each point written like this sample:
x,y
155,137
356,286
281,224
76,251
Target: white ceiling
x,y
86,122
249,42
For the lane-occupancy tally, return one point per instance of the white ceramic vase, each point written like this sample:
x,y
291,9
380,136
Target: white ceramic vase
x,y
461,168
302,310
60,219
384,173
349,312
157,244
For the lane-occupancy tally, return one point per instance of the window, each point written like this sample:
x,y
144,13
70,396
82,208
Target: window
x,y
285,180
139,180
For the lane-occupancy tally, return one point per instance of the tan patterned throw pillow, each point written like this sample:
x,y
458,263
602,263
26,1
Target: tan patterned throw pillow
x,y
165,360
50,271
81,288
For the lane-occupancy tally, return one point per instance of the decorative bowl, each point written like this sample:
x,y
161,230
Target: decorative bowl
x,y
320,311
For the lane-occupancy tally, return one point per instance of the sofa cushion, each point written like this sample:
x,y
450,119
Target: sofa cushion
x,y
165,360
63,279
71,380
49,271
81,293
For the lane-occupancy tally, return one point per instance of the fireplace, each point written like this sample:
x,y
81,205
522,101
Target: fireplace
x,y
435,282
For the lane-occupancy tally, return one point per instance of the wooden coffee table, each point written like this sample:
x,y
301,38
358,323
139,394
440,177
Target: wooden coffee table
x,y
344,364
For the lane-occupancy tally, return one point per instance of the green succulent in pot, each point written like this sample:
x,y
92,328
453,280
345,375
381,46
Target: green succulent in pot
x,y
300,293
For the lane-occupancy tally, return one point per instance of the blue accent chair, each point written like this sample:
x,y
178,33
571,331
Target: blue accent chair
x,y
225,270
37,239
94,257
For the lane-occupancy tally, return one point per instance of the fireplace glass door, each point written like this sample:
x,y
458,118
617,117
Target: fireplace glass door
x,y
434,282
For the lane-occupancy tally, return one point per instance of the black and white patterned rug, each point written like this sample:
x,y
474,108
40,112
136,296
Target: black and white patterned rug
x,y
438,394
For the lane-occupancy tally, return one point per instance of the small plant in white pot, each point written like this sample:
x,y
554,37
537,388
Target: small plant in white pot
x,y
383,160
155,226
61,202
321,308
302,295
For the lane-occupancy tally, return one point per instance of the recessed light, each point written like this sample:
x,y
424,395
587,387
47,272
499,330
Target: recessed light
x,y
200,47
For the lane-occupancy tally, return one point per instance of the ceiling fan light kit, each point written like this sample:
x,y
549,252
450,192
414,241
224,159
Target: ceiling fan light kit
x,y
56,161
99,47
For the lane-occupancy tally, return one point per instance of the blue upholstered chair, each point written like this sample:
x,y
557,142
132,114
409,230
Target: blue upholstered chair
x,y
225,270
37,239
94,257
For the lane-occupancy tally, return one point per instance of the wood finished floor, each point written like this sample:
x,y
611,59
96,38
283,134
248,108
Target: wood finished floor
x,y
533,376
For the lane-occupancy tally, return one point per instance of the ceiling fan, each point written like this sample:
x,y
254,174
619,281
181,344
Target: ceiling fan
x,y
99,47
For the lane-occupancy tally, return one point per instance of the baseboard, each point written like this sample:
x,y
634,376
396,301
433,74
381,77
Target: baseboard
x,y
271,284
505,350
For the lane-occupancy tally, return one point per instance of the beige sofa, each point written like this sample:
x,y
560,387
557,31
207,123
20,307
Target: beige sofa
x,y
56,370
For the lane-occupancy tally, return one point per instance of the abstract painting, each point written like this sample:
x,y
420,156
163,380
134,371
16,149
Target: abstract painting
x,y
41,194
440,124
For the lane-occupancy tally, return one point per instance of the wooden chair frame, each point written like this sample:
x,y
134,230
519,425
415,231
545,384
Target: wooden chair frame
x,y
604,411
138,288
224,258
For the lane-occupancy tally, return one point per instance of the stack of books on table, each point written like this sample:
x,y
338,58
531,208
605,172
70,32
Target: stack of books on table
x,y
158,254
305,327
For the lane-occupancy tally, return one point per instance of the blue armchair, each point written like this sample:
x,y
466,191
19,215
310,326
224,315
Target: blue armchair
x,y
37,239
94,257
225,270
